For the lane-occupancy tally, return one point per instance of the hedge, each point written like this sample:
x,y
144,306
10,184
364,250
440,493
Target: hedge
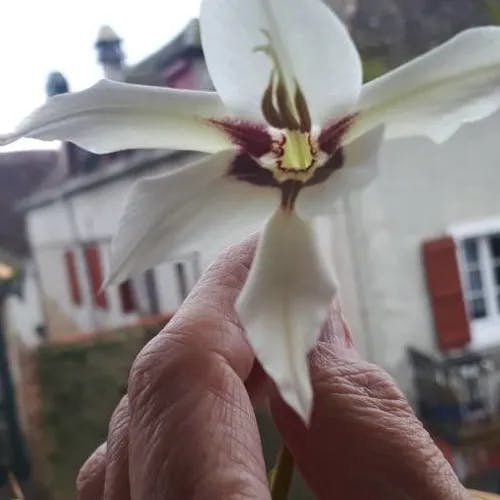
x,y
79,385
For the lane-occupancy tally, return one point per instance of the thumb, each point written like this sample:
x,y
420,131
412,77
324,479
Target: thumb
x,y
364,441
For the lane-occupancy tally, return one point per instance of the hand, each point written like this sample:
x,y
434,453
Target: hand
x,y
187,429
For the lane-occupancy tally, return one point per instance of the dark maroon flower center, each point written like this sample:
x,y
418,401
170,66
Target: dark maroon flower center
x,y
267,159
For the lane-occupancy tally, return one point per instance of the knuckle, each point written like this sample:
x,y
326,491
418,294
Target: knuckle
x,y
120,416
118,432
90,479
366,384
163,368
148,366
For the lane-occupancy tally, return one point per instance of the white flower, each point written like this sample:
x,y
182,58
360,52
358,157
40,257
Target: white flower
x,y
291,127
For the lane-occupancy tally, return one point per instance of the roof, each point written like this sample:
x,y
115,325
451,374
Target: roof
x,y
121,166
107,34
21,173
180,63
186,46
398,30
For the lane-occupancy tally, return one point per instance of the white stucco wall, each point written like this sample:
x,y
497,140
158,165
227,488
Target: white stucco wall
x,y
23,313
422,189
90,216
374,240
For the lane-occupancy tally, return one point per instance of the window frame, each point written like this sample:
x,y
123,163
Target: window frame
x,y
187,272
127,297
486,263
485,330
93,257
73,277
182,279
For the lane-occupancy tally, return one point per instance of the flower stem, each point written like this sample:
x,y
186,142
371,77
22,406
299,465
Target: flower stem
x,y
281,478
15,487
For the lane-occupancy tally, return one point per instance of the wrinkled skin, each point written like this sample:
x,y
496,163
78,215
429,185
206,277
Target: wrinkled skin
x,y
187,429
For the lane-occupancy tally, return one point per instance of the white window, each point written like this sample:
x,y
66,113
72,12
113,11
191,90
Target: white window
x,y
182,280
480,263
186,274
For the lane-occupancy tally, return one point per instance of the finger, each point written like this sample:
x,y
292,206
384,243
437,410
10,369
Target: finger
x,y
116,484
90,481
193,432
364,441
258,385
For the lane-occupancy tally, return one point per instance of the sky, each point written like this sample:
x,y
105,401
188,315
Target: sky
x,y
40,36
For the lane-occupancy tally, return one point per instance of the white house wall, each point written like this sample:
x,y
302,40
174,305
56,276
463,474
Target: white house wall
x,y
92,216
22,313
87,216
374,240
422,189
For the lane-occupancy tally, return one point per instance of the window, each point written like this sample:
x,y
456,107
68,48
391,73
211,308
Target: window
x,y
72,276
144,287
94,269
152,291
481,276
182,280
127,297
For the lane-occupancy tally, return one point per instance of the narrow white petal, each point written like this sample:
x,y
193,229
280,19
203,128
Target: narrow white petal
x,y
112,116
436,93
311,43
359,169
195,207
283,304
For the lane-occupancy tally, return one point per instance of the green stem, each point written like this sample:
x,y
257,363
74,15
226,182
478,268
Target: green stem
x,y
15,488
282,475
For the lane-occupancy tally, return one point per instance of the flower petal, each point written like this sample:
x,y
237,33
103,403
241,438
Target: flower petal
x,y
436,93
311,43
112,116
196,206
359,168
283,304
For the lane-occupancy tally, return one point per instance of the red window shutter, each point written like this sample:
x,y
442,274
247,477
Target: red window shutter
x,y
94,268
72,274
127,298
445,290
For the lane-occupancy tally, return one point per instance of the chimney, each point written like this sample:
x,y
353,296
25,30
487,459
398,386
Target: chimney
x,y
109,53
56,84
345,9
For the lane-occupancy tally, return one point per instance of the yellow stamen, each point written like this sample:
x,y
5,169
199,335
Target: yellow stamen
x,y
297,151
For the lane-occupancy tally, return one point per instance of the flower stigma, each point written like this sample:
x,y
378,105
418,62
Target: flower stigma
x,y
287,152
294,150
297,151
294,155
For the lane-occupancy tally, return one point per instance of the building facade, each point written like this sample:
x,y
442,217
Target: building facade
x,y
417,253
70,229
70,223
424,248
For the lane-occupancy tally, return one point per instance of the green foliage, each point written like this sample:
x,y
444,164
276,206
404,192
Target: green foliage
x,y
493,9
373,67
80,386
